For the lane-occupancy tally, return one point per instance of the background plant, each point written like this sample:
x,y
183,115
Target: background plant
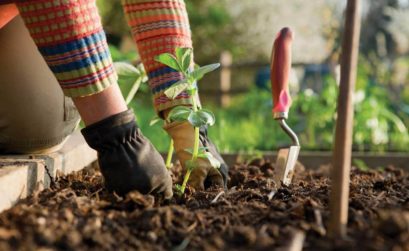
x,y
246,126
382,97
130,78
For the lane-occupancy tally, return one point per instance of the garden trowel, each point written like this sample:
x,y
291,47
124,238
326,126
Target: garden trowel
x,y
280,72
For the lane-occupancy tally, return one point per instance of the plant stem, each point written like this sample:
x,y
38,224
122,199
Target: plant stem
x,y
169,156
133,91
185,179
195,148
196,142
194,104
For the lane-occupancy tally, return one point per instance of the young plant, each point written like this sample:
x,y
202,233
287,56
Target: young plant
x,y
196,116
130,78
168,162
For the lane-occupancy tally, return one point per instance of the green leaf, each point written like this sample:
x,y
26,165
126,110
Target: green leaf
x,y
154,120
130,78
184,58
396,121
201,151
178,87
126,70
192,89
207,116
143,76
201,71
180,113
213,161
179,189
195,120
204,154
169,60
201,118
189,150
191,92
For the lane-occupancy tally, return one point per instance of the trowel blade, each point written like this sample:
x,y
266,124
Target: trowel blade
x,y
284,169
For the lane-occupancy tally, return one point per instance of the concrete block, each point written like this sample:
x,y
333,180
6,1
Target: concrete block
x,y
18,179
21,175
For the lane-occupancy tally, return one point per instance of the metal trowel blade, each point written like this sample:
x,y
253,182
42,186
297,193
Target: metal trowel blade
x,y
284,169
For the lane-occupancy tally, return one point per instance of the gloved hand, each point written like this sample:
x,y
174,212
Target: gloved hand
x,y
127,160
204,175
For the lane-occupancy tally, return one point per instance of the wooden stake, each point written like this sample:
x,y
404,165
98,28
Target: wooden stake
x,y
344,127
226,60
296,241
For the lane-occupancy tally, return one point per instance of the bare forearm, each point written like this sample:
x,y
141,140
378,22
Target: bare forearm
x,y
102,105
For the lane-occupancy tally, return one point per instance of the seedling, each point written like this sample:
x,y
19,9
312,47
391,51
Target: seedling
x,y
168,163
130,77
195,115
169,155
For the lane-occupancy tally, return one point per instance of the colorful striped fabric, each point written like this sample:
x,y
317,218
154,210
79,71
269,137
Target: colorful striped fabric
x,y
159,26
70,37
7,13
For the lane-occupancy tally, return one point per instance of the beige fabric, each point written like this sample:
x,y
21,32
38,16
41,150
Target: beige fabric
x,y
182,134
34,114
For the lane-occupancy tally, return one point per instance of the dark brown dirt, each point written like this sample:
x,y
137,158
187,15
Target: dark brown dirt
x,y
78,214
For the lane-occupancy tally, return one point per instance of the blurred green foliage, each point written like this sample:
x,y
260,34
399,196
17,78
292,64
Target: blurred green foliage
x,y
247,125
113,17
208,19
381,98
117,55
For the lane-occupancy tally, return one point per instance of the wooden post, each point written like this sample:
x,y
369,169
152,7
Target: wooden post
x,y
344,126
225,78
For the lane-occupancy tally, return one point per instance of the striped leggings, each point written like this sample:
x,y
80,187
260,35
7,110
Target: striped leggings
x,y
70,37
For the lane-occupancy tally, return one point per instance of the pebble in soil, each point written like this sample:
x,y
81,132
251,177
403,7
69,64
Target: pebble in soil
x,y
78,214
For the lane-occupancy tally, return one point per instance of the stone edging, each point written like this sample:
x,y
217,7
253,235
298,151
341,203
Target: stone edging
x,y
21,175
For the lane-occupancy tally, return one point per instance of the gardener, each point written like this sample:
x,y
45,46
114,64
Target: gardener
x,y
35,117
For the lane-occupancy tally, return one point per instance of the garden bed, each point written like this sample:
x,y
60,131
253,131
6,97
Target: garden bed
x,y
76,213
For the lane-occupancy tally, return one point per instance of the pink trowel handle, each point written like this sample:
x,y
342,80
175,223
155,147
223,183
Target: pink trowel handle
x,y
280,73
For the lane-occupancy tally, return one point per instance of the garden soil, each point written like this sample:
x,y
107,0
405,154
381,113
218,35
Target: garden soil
x,y
76,213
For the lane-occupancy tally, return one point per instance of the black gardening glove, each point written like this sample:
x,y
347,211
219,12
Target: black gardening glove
x,y
128,161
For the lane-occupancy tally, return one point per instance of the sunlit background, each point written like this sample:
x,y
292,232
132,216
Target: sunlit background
x,y
244,30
